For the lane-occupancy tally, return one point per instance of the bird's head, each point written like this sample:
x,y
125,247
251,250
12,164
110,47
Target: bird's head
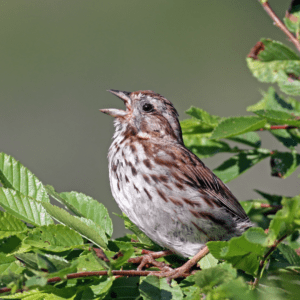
x,y
149,115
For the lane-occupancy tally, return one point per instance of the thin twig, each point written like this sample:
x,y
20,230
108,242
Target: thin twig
x,y
279,23
265,205
127,273
273,127
266,256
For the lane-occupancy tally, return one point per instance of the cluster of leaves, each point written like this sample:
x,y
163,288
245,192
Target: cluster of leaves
x,y
45,260
65,251
206,136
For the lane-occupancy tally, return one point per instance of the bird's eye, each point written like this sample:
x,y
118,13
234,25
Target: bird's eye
x,y
147,107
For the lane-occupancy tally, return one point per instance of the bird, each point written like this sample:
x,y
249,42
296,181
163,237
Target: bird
x,y
163,188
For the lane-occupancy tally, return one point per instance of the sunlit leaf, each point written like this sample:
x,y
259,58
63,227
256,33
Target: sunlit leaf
x,y
89,232
24,207
240,163
15,176
234,126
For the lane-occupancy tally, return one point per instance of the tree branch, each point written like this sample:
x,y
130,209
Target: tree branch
x,y
279,23
127,273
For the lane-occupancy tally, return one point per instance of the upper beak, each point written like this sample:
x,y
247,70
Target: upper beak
x,y
125,96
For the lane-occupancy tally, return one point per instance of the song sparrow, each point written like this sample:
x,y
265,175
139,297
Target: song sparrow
x,y
160,185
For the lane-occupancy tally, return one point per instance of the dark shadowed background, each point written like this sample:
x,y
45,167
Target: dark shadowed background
x,y
58,58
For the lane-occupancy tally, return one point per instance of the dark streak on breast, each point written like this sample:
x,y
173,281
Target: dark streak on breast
x,y
146,178
148,194
162,195
126,178
176,202
207,216
147,163
154,178
136,188
191,202
201,230
133,170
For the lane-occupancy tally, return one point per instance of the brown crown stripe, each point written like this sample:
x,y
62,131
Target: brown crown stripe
x,y
146,178
126,178
147,163
176,202
192,202
162,195
148,194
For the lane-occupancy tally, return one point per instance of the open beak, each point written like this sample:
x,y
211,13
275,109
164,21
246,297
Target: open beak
x,y
125,96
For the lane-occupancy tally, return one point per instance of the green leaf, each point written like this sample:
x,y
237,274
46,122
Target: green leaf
x,y
154,288
243,252
285,220
292,18
233,126
234,289
194,126
51,264
124,288
290,254
89,209
126,249
272,101
99,289
88,263
250,138
56,238
204,147
285,137
24,207
283,164
240,163
208,279
273,62
15,176
36,281
273,199
96,236
203,116
208,261
279,117
8,265
9,225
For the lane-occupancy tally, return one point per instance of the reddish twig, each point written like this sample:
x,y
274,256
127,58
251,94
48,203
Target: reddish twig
x,y
279,23
265,205
273,127
127,273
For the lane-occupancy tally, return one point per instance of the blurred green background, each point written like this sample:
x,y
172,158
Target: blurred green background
x,y
59,57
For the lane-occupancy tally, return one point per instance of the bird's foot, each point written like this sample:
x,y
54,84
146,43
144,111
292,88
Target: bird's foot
x,y
148,260
184,270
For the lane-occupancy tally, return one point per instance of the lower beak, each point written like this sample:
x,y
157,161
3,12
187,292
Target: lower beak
x,y
125,96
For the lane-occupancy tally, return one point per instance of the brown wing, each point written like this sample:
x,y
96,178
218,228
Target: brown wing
x,y
200,177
